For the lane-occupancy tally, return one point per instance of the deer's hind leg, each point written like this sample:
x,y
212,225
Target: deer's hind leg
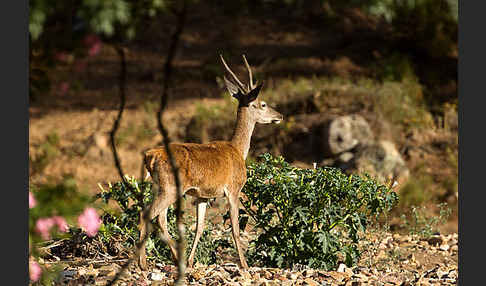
x,y
164,197
162,219
145,227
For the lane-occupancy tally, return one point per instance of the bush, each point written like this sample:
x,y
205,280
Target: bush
x,y
309,217
131,200
423,224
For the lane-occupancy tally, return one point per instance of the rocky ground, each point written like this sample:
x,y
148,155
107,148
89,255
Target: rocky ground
x,y
388,259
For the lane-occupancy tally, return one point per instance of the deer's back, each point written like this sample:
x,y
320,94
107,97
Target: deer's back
x,y
204,169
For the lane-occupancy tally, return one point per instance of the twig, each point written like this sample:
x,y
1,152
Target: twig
x,y
122,80
116,124
181,17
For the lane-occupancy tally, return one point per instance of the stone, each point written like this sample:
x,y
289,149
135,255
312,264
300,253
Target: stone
x,y
444,247
311,282
341,267
435,240
346,132
155,276
383,161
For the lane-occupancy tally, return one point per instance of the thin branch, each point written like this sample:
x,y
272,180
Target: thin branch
x,y
116,124
181,18
166,140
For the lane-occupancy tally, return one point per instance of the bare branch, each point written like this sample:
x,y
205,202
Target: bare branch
x,y
116,124
166,140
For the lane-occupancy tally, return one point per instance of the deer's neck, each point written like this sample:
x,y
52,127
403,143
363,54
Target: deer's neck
x,y
243,130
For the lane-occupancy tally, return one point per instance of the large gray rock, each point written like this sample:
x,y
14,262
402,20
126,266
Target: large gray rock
x,y
381,160
346,132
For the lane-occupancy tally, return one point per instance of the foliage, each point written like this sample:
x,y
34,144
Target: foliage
x,y
131,200
419,223
432,24
310,217
63,199
103,17
53,208
412,193
65,32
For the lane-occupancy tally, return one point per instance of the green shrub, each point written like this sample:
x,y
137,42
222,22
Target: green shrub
x,y
311,217
124,223
423,224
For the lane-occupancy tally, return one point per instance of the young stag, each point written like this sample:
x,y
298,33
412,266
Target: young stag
x,y
211,170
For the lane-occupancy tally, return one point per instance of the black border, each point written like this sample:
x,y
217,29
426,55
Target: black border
x,y
15,119
471,83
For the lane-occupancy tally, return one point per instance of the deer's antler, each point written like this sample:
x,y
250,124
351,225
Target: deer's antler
x,y
241,86
252,85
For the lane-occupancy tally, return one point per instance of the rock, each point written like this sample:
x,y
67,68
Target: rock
x,y
155,276
344,269
346,132
197,274
435,240
345,157
311,282
292,276
246,275
383,161
308,273
444,247
339,276
68,274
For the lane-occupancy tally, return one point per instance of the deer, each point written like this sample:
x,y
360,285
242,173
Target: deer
x,y
206,171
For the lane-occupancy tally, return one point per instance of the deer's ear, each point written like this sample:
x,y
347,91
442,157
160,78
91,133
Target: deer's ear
x,y
253,94
232,88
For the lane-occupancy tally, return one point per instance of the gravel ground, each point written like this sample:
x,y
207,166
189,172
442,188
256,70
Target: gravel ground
x,y
388,259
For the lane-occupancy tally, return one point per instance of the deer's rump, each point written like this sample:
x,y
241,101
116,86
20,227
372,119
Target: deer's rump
x,y
203,168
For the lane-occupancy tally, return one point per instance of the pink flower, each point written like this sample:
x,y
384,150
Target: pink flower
x,y
94,49
61,223
43,226
63,88
79,66
89,221
35,271
62,56
32,201
93,43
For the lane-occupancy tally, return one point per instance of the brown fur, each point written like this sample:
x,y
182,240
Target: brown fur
x,y
218,160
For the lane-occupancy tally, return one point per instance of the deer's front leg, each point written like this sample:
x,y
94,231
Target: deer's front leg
x,y
201,212
234,210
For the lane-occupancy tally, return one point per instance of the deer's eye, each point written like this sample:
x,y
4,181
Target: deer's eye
x,y
263,104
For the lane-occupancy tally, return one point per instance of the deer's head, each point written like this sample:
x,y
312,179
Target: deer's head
x,y
247,96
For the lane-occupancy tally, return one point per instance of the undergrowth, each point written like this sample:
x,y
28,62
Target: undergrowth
x,y
313,217
308,217
421,223
131,200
